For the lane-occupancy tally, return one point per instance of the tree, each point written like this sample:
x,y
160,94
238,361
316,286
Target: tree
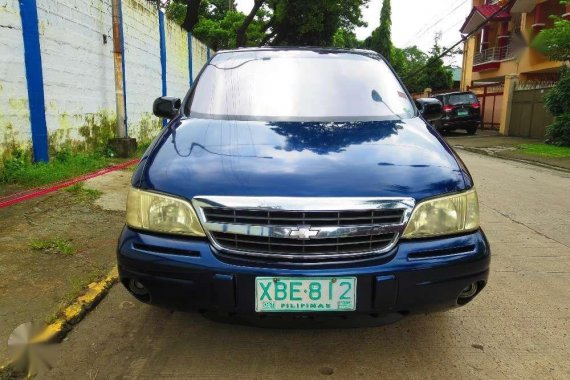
x,y
381,38
344,38
273,22
311,23
555,44
409,63
438,76
217,22
240,34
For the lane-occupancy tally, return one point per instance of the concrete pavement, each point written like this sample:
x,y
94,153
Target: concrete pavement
x,y
517,328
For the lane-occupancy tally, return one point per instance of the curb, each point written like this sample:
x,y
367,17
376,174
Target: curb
x,y
528,162
72,314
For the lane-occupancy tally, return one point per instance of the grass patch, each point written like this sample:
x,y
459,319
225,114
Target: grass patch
x,y
54,246
77,287
22,171
82,193
545,150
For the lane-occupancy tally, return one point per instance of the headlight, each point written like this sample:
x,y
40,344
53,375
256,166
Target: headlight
x,y
161,213
444,216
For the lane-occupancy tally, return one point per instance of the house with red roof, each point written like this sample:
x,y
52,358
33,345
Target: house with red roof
x,y
499,51
502,46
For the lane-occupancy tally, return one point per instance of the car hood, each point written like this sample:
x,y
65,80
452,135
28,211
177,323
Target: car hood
x,y
305,159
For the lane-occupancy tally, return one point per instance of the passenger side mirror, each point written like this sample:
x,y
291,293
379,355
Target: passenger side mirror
x,y
166,107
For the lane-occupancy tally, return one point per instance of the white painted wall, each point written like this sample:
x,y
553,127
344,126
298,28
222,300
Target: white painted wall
x,y
13,90
78,65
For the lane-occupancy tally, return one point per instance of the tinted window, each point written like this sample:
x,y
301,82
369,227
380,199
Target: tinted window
x,y
462,98
299,85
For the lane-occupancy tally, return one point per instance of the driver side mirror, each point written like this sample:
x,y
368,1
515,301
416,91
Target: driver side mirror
x,y
166,107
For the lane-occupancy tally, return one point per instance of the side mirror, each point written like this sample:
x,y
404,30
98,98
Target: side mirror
x,y
166,107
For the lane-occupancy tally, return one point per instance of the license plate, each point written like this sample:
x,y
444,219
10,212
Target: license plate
x,y
296,294
462,113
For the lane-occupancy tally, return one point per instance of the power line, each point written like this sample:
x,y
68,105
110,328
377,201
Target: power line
x,y
463,39
426,28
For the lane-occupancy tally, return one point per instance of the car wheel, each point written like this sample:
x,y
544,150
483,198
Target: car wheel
x,y
471,130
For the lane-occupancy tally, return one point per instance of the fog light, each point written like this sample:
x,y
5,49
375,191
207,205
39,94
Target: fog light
x,y
137,288
469,291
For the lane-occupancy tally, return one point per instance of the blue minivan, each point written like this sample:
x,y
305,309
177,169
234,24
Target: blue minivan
x,y
302,184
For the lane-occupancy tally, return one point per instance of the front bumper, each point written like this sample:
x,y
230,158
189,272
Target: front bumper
x,y
186,274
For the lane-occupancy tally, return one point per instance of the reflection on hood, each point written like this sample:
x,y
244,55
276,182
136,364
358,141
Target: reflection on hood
x,y
327,137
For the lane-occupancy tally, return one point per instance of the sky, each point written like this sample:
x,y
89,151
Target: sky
x,y
414,22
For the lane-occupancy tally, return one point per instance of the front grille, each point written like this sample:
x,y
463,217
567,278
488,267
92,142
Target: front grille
x,y
303,229
294,218
296,248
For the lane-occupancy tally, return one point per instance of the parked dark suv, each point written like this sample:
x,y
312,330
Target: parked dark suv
x,y
303,182
461,110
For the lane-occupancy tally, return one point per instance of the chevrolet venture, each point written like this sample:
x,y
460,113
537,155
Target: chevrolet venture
x,y
301,184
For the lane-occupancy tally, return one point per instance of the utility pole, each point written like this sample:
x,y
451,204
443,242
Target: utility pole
x,y
118,59
123,146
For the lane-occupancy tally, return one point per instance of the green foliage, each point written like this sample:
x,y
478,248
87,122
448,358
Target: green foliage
x,y
221,34
555,44
439,76
408,61
381,38
83,193
277,22
20,169
53,246
545,150
419,70
312,23
558,133
217,23
344,38
557,100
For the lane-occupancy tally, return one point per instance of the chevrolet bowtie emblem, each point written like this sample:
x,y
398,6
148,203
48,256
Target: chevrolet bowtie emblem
x,y
304,233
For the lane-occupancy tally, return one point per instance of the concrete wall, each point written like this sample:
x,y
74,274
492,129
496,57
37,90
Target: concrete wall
x,y
76,50
13,92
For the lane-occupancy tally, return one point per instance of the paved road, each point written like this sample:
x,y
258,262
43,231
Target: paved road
x,y
519,327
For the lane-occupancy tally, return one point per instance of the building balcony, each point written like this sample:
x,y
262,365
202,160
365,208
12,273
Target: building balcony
x,y
490,59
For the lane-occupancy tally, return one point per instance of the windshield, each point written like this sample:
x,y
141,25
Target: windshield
x,y
294,85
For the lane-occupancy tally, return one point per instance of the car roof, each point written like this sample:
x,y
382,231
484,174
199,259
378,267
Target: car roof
x,y
316,49
455,93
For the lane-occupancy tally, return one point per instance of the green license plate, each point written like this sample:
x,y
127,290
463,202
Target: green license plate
x,y
462,113
300,294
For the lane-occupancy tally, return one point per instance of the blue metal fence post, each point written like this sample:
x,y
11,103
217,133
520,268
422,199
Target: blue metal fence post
x,y
162,55
208,53
34,78
190,70
123,66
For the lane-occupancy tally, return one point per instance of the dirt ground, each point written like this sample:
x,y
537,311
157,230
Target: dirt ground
x,y
53,246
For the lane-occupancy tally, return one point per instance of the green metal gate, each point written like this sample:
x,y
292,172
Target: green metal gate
x,y
529,117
